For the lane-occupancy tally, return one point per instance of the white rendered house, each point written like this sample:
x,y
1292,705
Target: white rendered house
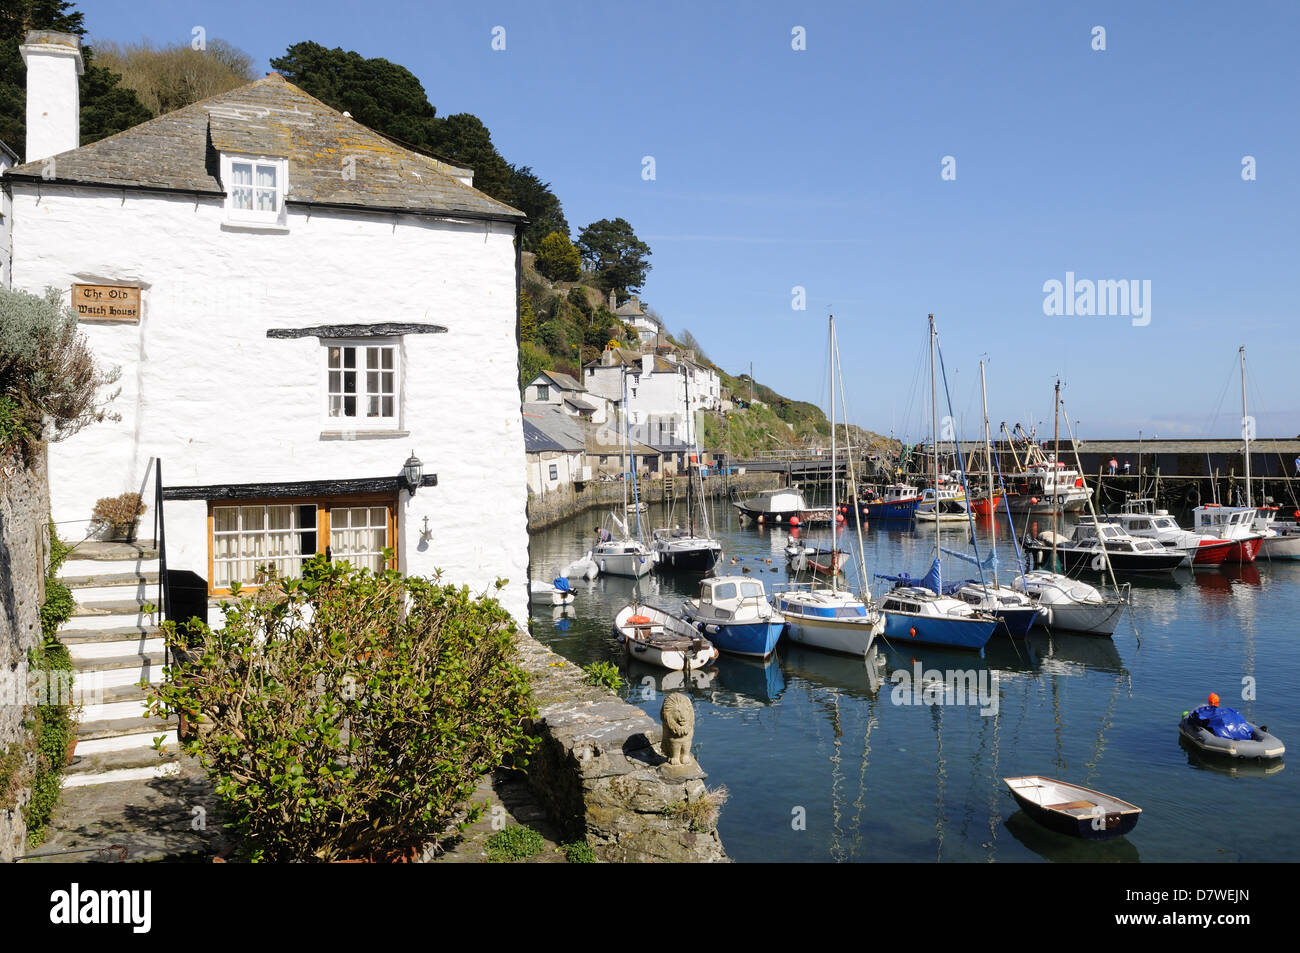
x,y
297,305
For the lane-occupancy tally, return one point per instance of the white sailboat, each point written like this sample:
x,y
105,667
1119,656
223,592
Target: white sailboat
x,y
827,617
683,548
627,555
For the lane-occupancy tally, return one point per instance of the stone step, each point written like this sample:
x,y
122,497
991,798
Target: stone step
x,y
138,724
114,607
115,578
126,633
91,651
90,567
108,620
100,550
115,704
133,764
96,675
131,742
138,592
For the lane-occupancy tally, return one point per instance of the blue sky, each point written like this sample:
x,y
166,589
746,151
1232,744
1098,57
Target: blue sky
x,y
820,168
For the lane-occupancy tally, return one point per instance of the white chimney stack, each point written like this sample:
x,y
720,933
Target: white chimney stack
x,y
53,94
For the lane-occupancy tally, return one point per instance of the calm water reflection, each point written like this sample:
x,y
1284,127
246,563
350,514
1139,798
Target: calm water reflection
x,y
824,740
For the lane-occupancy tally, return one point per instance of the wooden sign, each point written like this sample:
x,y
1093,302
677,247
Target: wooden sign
x,y
106,302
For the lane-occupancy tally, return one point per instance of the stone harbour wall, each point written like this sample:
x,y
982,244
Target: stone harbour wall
x,y
24,548
555,507
599,773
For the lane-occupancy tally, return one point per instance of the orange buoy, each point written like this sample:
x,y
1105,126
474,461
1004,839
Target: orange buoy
x,y
1213,700
794,521
912,631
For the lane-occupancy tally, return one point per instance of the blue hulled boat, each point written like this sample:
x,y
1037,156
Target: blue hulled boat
x,y
733,612
917,612
898,501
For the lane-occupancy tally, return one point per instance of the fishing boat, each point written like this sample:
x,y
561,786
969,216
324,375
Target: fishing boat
x,y
917,611
1071,809
1234,524
1281,538
733,612
943,504
895,501
827,617
782,506
557,593
658,637
1095,544
1141,518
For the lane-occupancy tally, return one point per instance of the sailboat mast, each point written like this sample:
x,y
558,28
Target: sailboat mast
x,y
988,463
1245,426
834,472
1056,459
626,442
934,430
865,592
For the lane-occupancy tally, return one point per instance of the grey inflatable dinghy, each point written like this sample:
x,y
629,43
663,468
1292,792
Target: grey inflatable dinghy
x,y
1260,744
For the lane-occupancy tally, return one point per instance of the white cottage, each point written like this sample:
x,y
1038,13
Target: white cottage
x,y
298,306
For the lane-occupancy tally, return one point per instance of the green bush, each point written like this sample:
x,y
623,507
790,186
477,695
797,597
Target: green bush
x,y
558,259
514,843
603,673
46,370
350,714
53,727
579,852
532,361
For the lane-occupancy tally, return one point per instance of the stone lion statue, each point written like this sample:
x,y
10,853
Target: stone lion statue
x,y
678,717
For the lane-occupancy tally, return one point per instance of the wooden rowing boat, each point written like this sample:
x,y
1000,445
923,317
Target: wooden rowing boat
x,y
1071,809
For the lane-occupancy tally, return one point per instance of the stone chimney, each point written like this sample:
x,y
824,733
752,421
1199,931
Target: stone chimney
x,y
613,301
53,96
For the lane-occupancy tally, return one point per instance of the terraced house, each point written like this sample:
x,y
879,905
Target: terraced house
x,y
317,333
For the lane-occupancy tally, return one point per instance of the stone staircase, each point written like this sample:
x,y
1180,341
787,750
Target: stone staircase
x,y
116,647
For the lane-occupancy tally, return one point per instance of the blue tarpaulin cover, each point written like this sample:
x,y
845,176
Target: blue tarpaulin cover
x,y
559,582
1223,722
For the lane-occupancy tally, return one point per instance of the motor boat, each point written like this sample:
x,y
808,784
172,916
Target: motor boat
x,y
1015,611
1096,542
917,615
734,613
1281,538
1235,523
948,505
1141,518
781,506
831,619
679,549
896,501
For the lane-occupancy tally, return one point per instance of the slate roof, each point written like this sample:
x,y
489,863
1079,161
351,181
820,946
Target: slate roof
x,y
549,429
179,151
562,381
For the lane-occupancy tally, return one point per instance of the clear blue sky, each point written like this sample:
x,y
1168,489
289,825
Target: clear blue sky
x,y
821,168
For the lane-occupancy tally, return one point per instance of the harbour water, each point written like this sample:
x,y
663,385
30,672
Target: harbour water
x,y
826,759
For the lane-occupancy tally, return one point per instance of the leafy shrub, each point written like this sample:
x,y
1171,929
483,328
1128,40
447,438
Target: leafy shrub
x,y
579,852
553,336
532,361
578,298
54,726
603,673
558,259
121,510
348,713
47,370
514,843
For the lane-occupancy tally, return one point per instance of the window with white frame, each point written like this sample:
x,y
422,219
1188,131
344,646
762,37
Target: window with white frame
x,y
249,538
255,189
362,385
543,392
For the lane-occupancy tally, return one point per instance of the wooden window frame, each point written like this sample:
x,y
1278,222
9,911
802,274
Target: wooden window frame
x,y
360,421
323,506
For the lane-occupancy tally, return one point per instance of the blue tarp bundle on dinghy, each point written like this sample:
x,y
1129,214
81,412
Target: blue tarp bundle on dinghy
x,y
1223,722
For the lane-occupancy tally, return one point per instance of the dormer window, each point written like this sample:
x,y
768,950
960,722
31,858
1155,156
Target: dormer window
x,y
255,189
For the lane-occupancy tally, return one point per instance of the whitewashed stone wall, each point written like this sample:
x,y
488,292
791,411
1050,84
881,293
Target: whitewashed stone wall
x,y
208,393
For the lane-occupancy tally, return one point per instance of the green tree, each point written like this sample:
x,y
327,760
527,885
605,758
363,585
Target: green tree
x,y
106,106
167,78
557,259
527,319
535,199
389,99
615,256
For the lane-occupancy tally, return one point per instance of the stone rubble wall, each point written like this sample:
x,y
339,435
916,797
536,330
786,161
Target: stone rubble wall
x,y
598,771
24,551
